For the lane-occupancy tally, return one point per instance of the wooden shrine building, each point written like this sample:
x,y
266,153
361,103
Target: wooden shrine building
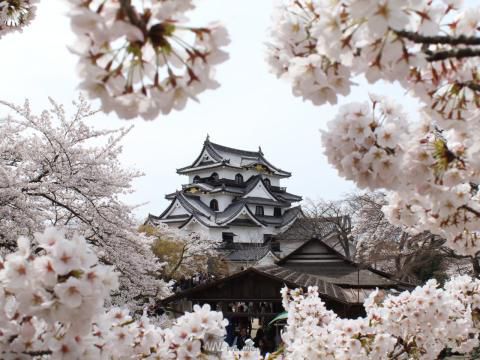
x,y
342,284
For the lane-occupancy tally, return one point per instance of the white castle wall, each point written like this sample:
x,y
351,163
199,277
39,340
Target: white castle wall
x,y
244,234
267,210
223,200
177,210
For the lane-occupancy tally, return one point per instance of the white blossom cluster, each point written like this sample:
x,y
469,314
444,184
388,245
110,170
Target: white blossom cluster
x,y
52,295
411,325
16,14
318,45
431,185
431,48
141,58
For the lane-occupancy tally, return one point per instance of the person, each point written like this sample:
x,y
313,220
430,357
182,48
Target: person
x,y
240,339
230,337
259,336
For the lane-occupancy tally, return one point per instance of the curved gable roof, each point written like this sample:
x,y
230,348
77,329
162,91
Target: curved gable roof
x,y
234,211
255,180
230,156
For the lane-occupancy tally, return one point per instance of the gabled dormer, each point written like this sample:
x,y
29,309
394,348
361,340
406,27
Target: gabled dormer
x,y
259,188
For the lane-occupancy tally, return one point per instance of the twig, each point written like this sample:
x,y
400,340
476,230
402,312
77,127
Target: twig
x,y
132,15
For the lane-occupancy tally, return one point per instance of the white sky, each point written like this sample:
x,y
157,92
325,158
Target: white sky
x,y
251,108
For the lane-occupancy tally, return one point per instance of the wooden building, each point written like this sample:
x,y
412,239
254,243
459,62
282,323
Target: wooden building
x,y
342,284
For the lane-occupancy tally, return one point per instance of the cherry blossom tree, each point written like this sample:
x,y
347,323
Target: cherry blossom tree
x,y
57,170
429,167
411,325
139,58
52,296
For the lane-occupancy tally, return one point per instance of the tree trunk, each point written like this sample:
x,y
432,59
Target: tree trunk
x,y
475,267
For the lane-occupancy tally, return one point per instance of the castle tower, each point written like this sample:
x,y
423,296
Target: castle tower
x,y
232,195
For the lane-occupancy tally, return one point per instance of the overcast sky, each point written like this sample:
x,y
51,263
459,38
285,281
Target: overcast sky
x,y
251,108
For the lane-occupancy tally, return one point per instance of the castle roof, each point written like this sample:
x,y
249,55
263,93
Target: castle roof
x,y
200,212
215,155
212,186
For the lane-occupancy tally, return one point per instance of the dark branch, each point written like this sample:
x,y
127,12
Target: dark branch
x,y
473,211
440,39
471,85
454,53
37,353
132,15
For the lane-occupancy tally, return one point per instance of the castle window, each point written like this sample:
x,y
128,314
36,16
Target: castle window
x,y
259,210
274,245
277,212
196,179
239,179
267,237
227,237
214,205
214,176
267,182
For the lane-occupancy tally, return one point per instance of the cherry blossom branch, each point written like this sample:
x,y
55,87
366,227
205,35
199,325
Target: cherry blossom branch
x,y
440,39
132,15
473,211
471,85
454,53
37,353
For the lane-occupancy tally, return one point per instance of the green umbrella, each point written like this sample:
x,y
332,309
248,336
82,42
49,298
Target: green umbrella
x,y
281,316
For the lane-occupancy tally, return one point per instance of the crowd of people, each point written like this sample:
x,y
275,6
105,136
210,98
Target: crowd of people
x,y
186,283
265,339
239,330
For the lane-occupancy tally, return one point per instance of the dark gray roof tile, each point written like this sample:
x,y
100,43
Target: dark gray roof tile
x,y
248,254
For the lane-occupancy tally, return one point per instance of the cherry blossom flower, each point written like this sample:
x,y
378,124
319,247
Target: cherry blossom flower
x,y
144,59
16,14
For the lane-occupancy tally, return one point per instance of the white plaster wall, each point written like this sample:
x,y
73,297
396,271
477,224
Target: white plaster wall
x,y
199,228
178,210
223,200
260,191
244,234
247,234
216,234
267,210
275,181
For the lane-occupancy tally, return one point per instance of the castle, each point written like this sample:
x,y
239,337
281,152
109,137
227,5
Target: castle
x,y
233,196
